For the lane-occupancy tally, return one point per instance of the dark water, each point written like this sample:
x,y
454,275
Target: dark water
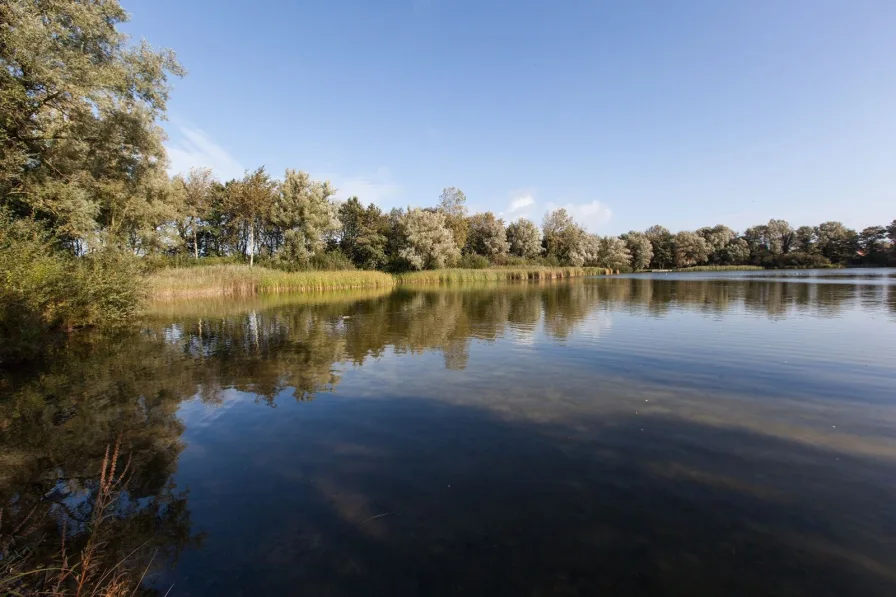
x,y
700,434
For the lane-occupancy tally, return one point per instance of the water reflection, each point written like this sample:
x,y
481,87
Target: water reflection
x,y
691,436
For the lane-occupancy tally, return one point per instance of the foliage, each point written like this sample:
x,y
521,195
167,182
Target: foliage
x,y
524,239
663,244
566,241
44,289
426,242
690,249
80,149
453,203
473,261
364,234
457,276
613,254
305,215
486,235
640,248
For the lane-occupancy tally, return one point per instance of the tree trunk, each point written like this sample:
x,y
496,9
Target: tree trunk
x,y
195,244
251,247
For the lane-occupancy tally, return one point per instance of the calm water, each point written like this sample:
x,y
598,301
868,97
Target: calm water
x,y
699,434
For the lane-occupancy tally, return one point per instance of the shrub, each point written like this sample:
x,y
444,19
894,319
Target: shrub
x,y
473,261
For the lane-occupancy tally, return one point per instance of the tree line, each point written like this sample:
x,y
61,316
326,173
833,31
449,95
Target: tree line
x,y
296,223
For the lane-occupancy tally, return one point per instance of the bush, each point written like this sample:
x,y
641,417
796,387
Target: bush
x,y
473,261
796,260
44,290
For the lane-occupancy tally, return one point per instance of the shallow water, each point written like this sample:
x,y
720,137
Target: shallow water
x,y
668,434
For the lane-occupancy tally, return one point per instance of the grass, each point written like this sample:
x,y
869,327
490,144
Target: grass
x,y
721,268
86,572
243,281
497,274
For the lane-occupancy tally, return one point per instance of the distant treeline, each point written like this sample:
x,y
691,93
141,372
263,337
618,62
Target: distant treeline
x,y
296,224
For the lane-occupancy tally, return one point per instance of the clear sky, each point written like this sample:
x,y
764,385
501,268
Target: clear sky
x,y
630,112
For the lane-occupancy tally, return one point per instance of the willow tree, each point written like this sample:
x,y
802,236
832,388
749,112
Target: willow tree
x,y
427,242
524,238
305,212
487,235
80,147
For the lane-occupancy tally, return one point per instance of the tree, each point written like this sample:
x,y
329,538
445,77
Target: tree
x,y
486,235
806,237
690,249
663,244
780,237
249,200
564,239
872,240
195,202
426,242
717,239
837,242
524,239
453,203
306,215
614,254
80,149
736,253
364,234
640,249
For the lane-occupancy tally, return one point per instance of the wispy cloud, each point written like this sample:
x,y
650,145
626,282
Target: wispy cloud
x,y
521,203
192,147
593,215
377,187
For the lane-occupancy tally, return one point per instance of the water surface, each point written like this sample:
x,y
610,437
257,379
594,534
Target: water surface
x,y
672,434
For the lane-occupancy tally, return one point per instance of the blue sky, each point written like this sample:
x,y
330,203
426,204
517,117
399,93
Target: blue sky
x,y
629,113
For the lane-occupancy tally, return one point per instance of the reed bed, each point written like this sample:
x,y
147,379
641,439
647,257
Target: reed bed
x,y
722,268
242,280
498,274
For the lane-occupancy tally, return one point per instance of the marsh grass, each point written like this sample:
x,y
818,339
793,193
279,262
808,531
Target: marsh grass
x,y
721,268
498,274
242,280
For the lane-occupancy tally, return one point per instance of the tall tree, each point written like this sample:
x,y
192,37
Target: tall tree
x,y
524,238
663,244
249,201
613,253
780,237
640,248
486,235
873,242
453,203
80,147
806,236
196,195
305,213
427,243
564,239
837,242
690,249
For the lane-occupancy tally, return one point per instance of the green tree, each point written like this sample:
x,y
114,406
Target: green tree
x,y
663,244
305,214
195,196
249,202
426,241
873,242
80,148
524,239
453,203
806,237
690,249
613,253
364,236
640,248
837,242
486,235
564,240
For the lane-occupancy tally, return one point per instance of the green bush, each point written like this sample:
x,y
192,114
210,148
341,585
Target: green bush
x,y
473,261
44,290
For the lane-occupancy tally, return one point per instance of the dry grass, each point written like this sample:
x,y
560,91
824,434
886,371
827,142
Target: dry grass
x,y
242,280
498,274
84,573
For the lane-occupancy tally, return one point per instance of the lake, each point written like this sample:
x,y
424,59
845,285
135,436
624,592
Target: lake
x,y
665,434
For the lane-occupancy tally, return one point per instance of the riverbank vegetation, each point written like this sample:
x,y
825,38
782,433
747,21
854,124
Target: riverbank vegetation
x,y
88,207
